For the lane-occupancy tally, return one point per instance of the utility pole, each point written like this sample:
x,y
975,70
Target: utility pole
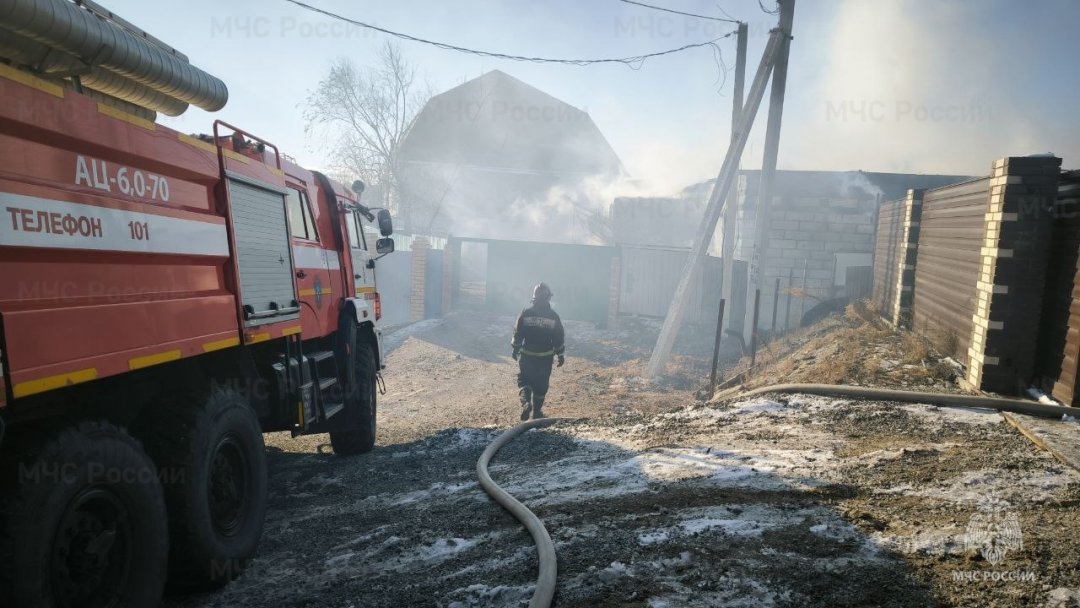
x,y
715,206
727,251
772,147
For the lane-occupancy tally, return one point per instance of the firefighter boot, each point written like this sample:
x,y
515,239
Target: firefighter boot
x,y
525,393
538,403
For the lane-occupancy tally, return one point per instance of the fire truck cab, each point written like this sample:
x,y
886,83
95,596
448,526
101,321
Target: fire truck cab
x,y
165,299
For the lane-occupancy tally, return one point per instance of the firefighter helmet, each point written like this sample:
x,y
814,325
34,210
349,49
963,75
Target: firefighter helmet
x,y
542,292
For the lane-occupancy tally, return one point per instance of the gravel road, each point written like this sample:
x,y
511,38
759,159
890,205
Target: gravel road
x,y
656,500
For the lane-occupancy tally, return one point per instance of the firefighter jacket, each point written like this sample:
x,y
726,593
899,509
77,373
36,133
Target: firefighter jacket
x,y
539,331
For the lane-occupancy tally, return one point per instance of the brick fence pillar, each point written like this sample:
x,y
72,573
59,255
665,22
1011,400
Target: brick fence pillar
x,y
420,248
1009,292
910,215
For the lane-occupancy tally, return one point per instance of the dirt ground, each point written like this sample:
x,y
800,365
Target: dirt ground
x,y
656,499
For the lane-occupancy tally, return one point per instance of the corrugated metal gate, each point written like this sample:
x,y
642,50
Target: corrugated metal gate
x,y
858,282
580,276
890,231
394,279
950,241
651,274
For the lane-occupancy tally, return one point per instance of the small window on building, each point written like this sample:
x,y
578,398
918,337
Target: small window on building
x,y
300,219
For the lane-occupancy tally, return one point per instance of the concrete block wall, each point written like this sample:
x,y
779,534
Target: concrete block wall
x,y
420,246
1018,227
805,234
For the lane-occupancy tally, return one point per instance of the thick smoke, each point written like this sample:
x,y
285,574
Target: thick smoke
x,y
925,86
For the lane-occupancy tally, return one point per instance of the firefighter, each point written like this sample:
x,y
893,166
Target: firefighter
x,y
538,340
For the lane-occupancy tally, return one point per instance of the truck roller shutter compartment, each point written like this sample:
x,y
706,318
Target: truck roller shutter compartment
x,y
264,261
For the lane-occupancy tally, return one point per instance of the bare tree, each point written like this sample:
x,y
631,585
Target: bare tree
x,y
365,112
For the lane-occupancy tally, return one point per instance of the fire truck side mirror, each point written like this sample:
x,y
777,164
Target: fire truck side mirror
x,y
358,187
384,246
386,225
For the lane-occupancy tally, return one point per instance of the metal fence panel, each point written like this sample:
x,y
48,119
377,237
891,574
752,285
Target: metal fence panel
x,y
1059,331
394,280
580,276
650,276
889,237
947,270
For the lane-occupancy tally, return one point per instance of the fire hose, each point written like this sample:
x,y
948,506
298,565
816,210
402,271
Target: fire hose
x,y
545,549
545,580
1016,406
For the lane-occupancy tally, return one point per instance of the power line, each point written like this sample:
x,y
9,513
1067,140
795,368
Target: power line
x,y
668,10
775,11
633,62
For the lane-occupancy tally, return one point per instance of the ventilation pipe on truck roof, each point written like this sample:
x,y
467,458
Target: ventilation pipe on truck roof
x,y
99,39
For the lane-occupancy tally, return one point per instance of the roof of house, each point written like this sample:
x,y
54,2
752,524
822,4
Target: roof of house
x,y
499,123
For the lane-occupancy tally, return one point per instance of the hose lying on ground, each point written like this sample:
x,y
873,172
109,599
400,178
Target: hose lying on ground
x,y
1018,406
545,580
545,549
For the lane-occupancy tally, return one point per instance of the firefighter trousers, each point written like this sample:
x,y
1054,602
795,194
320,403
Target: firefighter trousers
x,y
534,373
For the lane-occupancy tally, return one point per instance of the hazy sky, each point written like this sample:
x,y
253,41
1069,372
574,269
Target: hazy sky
x,y
942,86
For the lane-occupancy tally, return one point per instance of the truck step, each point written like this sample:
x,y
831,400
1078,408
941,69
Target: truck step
x,y
325,383
332,409
320,356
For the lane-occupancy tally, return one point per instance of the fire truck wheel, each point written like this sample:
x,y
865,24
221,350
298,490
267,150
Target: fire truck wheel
x,y
88,526
360,407
213,462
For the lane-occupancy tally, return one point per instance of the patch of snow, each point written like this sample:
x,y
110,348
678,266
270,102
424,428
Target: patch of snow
x,y
613,571
363,538
396,337
338,560
497,563
945,540
654,537
736,592
757,406
436,490
934,413
1018,488
730,527
836,529
406,559
483,596
745,521
444,547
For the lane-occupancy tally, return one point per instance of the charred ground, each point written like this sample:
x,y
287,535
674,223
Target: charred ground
x,y
654,498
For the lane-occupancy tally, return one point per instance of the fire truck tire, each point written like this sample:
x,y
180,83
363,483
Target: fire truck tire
x,y
214,462
89,523
358,437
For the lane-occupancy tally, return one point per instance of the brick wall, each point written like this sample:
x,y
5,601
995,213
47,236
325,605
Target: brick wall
x,y
1008,297
420,246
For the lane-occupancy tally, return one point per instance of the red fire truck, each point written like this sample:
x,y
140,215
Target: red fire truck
x,y
165,299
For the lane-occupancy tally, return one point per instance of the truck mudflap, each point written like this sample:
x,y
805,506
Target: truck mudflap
x,y
365,315
379,354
